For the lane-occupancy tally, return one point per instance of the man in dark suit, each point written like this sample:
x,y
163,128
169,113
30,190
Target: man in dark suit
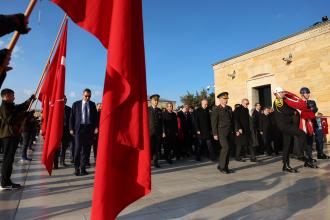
x,y
242,131
83,125
170,132
265,128
204,131
222,127
256,121
96,136
66,137
155,127
187,128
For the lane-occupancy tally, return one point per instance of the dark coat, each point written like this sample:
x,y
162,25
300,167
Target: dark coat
x,y
11,118
283,114
186,123
75,116
170,123
265,125
155,121
256,119
203,123
66,124
242,121
222,121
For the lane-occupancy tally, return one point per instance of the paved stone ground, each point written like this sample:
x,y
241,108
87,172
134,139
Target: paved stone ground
x,y
184,190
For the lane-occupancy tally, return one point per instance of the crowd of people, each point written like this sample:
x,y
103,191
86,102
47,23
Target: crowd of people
x,y
205,132
218,132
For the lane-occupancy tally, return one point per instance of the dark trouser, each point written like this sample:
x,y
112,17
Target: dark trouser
x,y
61,152
297,149
319,138
83,140
169,145
267,143
205,147
224,152
289,132
244,147
72,148
187,151
95,144
309,147
10,145
27,142
155,141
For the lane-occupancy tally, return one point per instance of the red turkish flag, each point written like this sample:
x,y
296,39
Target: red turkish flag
x,y
123,159
52,95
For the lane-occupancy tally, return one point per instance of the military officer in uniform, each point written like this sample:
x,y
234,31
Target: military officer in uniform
x,y
305,95
222,128
155,128
283,115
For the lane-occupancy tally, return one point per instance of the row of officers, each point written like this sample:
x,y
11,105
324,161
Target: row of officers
x,y
205,128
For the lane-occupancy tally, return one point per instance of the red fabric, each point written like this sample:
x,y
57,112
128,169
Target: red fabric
x,y
294,101
324,123
52,95
306,115
123,162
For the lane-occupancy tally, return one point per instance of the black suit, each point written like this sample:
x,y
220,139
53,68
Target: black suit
x,y
266,129
242,121
170,128
66,137
83,132
187,128
203,126
222,126
155,131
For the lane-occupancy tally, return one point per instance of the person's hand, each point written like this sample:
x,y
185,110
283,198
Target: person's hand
x,y
96,130
33,97
198,132
240,131
164,135
261,132
22,24
215,137
71,132
5,56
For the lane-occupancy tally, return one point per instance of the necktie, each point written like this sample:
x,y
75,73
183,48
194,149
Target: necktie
x,y
86,113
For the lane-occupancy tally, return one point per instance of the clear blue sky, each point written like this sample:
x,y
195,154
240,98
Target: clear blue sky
x,y
183,38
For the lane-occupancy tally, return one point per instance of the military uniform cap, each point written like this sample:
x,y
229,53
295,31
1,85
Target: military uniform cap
x,y
223,94
154,96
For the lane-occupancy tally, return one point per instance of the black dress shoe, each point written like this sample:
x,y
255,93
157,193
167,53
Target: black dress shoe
x,y
84,173
224,171
240,160
77,172
287,168
253,159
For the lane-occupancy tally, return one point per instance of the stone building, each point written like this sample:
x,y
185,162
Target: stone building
x,y
301,59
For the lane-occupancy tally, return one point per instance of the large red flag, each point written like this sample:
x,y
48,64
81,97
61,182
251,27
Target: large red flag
x,y
123,162
52,95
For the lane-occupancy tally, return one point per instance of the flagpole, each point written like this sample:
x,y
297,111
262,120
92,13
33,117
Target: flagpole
x,y
36,93
16,34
